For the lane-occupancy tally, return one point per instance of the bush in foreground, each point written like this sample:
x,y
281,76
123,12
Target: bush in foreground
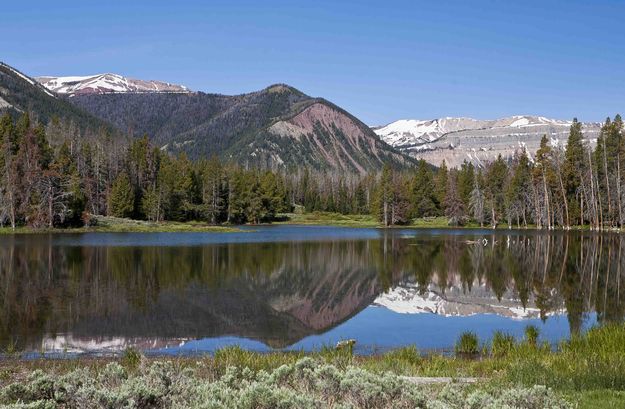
x,y
304,384
468,344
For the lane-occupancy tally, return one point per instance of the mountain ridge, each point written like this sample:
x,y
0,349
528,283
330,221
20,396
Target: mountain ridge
x,y
106,83
20,93
278,126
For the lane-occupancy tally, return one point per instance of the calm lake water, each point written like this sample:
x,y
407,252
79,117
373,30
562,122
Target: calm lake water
x,y
298,287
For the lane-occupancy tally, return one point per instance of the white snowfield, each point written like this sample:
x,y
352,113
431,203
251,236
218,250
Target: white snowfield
x,y
106,83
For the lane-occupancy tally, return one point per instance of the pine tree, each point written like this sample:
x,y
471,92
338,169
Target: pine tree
x,y
122,197
423,198
518,191
495,188
466,177
573,169
151,204
441,186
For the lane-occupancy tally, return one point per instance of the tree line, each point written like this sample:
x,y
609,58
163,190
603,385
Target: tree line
x,y
53,176
579,183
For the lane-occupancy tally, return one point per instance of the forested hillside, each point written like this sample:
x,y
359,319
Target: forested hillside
x,y
19,93
51,178
278,127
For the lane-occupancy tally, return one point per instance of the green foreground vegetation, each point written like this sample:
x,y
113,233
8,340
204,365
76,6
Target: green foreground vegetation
x,y
109,224
328,219
585,372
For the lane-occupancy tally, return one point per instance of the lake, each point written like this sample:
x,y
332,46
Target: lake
x,y
300,288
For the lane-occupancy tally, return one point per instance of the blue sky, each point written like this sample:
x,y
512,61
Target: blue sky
x,y
381,60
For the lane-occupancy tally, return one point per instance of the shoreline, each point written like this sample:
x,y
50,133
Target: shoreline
x,y
107,224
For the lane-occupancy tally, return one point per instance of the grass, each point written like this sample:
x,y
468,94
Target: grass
x,y
108,224
588,370
358,220
305,383
502,344
531,335
467,345
330,219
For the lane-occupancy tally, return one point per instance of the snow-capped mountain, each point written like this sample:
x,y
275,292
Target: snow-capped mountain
x,y
458,139
414,132
107,83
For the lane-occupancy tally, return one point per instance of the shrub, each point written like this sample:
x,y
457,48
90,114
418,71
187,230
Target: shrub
x,y
502,344
531,335
467,345
131,358
308,383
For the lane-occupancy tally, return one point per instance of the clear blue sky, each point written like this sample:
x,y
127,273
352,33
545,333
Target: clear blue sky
x,y
380,60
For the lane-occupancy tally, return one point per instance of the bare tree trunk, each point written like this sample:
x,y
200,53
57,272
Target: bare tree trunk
x,y
50,206
547,201
564,199
607,184
385,209
618,188
592,191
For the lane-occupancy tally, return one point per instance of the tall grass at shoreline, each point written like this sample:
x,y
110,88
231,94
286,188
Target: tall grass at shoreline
x,y
592,364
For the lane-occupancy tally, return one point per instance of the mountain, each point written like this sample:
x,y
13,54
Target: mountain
x,y
478,141
105,83
278,126
20,93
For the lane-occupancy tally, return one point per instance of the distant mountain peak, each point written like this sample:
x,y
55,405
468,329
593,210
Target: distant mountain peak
x,y
105,84
456,140
414,132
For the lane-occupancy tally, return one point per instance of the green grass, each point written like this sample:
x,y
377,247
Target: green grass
x,y
107,224
330,219
597,399
119,225
589,370
467,345
502,344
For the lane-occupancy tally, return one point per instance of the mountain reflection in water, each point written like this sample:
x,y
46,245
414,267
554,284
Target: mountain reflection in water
x,y
71,293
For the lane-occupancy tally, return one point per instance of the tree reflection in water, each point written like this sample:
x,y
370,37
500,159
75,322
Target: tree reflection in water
x,y
280,292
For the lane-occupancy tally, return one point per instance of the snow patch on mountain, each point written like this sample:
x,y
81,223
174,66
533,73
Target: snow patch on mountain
x,y
106,83
417,132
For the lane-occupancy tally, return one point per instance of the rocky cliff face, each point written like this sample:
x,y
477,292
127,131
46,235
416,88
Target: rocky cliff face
x,y
455,140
